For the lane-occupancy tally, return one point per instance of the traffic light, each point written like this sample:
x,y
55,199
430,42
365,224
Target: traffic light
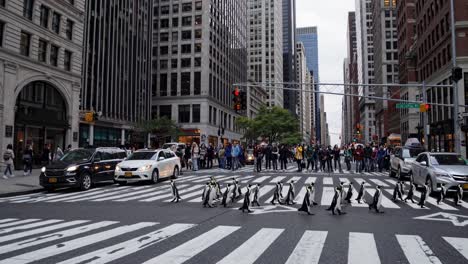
x,y
423,108
243,100
89,117
236,99
457,74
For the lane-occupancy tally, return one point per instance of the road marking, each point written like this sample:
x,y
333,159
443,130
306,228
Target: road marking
x,y
60,196
295,179
362,249
310,180
261,179
8,220
122,195
309,248
379,182
164,196
277,179
114,192
158,190
40,230
327,181
285,192
300,195
22,227
128,247
86,194
18,222
386,203
193,247
327,195
345,180
253,248
246,179
54,236
456,220
460,244
74,244
189,195
416,250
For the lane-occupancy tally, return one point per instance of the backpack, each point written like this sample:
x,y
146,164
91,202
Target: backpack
x,y
6,156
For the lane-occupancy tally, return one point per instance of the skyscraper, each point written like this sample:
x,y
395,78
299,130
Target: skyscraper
x,y
289,53
117,71
199,51
265,47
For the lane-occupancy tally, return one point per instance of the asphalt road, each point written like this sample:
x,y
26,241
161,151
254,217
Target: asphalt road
x,y
137,224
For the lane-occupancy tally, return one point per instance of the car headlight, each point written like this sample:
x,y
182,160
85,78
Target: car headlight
x,y
117,168
72,168
43,169
144,168
443,174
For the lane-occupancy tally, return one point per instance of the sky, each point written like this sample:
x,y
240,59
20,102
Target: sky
x,y
331,19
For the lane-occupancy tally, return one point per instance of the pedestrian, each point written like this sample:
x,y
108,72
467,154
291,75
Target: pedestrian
x,y
27,160
69,148
45,157
309,156
258,155
235,156
291,194
188,157
175,192
58,154
367,157
337,158
283,156
209,156
376,200
380,158
308,202
274,156
228,154
203,151
359,157
315,158
299,157
246,204
329,160
348,154
8,158
195,154
221,157
268,156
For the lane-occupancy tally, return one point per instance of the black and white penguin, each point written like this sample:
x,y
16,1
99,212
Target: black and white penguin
x,y
234,189
256,194
281,189
336,202
277,194
312,193
402,188
362,191
308,202
424,195
397,192
349,195
246,204
210,196
175,192
226,193
410,193
458,195
343,193
442,191
205,191
239,189
291,194
377,200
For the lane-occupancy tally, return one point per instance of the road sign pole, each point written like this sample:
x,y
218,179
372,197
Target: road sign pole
x,y
456,107
425,117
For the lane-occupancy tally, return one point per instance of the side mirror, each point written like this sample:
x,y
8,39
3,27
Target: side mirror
x,y
161,158
423,163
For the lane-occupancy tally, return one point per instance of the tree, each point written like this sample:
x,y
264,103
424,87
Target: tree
x,y
275,124
160,127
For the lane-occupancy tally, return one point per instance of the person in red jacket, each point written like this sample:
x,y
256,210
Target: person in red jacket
x,y
359,158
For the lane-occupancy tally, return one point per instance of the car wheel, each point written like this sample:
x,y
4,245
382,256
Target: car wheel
x,y
122,183
430,189
85,182
175,175
154,177
50,189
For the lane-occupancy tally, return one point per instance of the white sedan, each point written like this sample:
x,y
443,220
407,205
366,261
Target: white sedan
x,y
148,165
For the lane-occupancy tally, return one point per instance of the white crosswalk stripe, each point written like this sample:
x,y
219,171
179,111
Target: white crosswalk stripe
x,y
378,182
362,249
310,180
19,222
261,179
460,244
28,226
327,195
145,189
309,248
86,194
327,181
416,250
277,179
169,194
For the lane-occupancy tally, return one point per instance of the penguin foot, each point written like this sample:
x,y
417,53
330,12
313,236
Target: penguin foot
x,y
310,213
249,211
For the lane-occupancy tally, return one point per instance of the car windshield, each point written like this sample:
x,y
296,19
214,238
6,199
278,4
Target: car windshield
x,y
166,146
77,155
411,153
447,160
250,151
141,156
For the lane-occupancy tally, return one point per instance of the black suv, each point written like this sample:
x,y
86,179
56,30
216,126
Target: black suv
x,y
81,168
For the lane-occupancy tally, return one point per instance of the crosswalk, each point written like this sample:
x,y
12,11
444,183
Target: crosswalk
x,y
191,188
85,241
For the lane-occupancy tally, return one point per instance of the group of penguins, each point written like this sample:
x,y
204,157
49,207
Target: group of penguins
x,y
212,194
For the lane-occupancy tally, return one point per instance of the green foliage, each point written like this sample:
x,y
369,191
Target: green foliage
x,y
275,124
161,127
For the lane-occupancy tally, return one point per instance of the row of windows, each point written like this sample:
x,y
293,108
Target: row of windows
x,y
173,84
185,35
186,7
184,113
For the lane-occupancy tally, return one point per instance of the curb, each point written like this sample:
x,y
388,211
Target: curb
x,y
3,195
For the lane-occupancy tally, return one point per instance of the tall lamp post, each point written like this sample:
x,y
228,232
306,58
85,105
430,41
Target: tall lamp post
x,y
456,125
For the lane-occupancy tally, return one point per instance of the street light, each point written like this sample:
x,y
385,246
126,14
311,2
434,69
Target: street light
x,y
456,125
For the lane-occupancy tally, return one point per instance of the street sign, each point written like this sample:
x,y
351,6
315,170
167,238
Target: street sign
x,y
407,105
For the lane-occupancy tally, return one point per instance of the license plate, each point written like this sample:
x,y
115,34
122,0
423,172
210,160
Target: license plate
x,y
52,180
128,174
465,186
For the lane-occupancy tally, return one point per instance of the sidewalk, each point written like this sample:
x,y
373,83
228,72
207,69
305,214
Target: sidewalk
x,y
19,184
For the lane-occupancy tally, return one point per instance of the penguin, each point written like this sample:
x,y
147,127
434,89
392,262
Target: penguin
x,y
226,193
343,193
349,195
377,200
210,196
458,195
402,188
397,192
441,193
239,190
362,191
246,204
175,192
312,193
205,191
235,188
291,194
256,195
424,195
308,201
281,189
410,193
336,202
276,194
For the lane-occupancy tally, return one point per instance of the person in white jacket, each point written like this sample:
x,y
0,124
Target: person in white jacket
x,y
8,157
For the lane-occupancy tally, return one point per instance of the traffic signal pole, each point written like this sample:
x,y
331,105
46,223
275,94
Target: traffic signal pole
x,y
456,107
425,118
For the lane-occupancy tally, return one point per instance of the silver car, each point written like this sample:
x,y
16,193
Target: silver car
x,y
438,168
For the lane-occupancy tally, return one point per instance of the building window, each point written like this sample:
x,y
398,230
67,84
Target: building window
x,y
164,10
196,113
42,51
186,48
44,19
25,43
198,20
174,84
2,29
197,62
198,5
187,7
165,111
187,21
56,22
174,63
185,83
198,47
54,50
197,83
164,50
67,60
175,22
186,35
175,8
186,63
28,8
175,36
69,30
198,34
163,64
184,113
164,23
163,85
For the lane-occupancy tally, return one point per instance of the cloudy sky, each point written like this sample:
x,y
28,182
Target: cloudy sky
x,y
330,17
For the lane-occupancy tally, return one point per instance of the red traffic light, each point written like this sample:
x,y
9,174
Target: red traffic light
x,y
236,92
